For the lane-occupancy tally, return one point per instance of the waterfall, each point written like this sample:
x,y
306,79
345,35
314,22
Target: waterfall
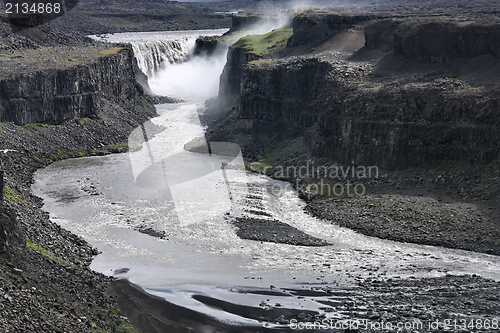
x,y
152,55
155,50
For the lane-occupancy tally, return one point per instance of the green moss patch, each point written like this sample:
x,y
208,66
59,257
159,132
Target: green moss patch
x,y
267,44
13,194
32,126
44,252
123,326
273,157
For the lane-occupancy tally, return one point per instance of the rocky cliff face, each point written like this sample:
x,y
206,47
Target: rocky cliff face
x,y
55,95
283,92
371,112
439,122
11,234
230,80
391,126
315,29
443,40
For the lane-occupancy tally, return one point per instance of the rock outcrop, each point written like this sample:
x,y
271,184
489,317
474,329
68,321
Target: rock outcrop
x,y
11,234
444,40
317,28
55,95
230,80
370,113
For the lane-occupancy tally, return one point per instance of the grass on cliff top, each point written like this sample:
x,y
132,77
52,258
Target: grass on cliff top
x,y
112,51
264,45
315,10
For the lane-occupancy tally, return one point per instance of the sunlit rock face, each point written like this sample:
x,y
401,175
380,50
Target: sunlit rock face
x,y
372,113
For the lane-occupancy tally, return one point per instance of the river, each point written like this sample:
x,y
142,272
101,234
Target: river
x,y
162,216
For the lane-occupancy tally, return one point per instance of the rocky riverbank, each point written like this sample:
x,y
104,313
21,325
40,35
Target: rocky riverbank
x,y
428,121
45,283
451,207
378,304
69,98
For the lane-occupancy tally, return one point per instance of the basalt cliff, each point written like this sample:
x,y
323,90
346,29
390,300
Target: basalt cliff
x,y
390,92
415,97
60,97
53,95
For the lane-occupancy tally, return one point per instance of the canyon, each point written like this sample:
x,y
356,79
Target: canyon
x,y
414,94
403,99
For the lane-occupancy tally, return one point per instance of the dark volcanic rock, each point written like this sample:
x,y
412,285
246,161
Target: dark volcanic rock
x,y
317,28
394,114
56,95
11,234
230,80
207,45
274,231
443,40
48,285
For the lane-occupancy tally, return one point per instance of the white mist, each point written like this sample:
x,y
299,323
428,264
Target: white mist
x,y
196,79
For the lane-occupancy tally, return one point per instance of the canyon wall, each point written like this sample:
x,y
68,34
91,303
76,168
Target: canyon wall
x,y
444,40
315,29
352,112
56,95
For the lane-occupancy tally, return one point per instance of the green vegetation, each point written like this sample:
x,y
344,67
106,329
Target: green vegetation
x,y
11,53
267,44
82,121
113,148
44,252
274,156
13,194
117,146
116,312
111,52
123,325
61,155
42,160
452,73
126,327
259,64
31,126
315,10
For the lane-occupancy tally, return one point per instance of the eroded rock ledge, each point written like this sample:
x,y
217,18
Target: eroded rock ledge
x,y
383,105
53,95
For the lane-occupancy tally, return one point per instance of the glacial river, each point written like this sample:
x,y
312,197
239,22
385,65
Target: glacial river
x,y
161,217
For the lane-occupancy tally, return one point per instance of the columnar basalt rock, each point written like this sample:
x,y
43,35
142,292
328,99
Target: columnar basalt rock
x,y
56,95
315,29
444,40
350,112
